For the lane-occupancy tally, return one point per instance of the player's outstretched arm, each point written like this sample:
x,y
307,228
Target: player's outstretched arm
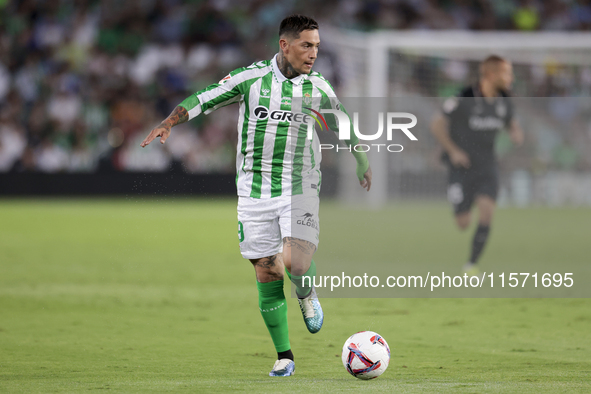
x,y
179,115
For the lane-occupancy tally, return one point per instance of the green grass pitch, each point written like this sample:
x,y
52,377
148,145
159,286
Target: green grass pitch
x,y
152,295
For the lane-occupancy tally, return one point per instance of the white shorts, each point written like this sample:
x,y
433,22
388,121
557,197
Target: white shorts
x,y
263,223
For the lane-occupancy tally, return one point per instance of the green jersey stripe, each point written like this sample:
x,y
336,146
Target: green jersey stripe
x,y
312,153
190,102
280,142
259,139
229,90
298,160
274,157
244,160
245,120
319,181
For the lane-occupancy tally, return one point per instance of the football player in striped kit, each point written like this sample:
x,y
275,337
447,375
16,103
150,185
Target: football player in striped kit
x,y
277,170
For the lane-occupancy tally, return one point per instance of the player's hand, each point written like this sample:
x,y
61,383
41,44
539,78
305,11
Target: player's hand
x,y
459,158
162,131
366,182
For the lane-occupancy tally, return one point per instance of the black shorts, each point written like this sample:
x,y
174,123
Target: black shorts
x,y
465,184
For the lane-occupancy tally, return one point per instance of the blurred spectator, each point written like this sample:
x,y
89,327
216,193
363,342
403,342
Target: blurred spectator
x,y
50,157
555,15
82,81
4,81
12,145
526,16
581,14
64,108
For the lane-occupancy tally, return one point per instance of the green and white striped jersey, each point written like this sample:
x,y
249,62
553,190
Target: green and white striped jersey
x,y
274,156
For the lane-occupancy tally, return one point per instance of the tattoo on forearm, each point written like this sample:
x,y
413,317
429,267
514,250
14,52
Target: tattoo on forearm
x,y
178,115
303,246
286,69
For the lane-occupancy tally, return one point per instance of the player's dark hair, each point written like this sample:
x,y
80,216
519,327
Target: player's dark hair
x,y
294,24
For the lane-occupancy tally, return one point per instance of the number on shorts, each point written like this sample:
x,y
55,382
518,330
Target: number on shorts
x,y
240,231
455,194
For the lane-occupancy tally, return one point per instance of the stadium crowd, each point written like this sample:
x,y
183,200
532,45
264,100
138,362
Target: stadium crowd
x,y
81,82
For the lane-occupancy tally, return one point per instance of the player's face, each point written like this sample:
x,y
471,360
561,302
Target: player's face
x,y
301,52
504,76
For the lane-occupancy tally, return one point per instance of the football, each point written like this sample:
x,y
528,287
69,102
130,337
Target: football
x,y
366,355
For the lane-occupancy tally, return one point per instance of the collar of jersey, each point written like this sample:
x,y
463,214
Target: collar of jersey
x,y
281,78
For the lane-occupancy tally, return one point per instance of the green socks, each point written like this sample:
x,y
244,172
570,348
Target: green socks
x,y
273,305
304,288
274,311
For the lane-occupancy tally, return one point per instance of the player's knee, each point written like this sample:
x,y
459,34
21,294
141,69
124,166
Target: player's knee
x,y
297,255
269,276
485,220
486,207
299,268
287,261
463,221
268,269
485,216
265,275
296,265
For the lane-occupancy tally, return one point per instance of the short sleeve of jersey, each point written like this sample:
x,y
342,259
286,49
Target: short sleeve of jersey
x,y
450,106
453,106
227,91
329,100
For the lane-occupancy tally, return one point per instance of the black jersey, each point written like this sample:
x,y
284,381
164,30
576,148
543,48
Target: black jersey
x,y
474,122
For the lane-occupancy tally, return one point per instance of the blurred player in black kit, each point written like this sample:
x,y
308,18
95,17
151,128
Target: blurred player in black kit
x,y
466,129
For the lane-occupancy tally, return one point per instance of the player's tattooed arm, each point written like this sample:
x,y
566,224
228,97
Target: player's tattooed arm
x,y
178,115
285,67
305,247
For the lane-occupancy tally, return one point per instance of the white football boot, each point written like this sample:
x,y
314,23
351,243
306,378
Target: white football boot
x,y
312,311
283,367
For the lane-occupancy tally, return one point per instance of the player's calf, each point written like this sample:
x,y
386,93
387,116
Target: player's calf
x,y
273,307
486,208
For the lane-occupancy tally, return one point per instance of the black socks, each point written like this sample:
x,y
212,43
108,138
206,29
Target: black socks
x,y
478,242
286,354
